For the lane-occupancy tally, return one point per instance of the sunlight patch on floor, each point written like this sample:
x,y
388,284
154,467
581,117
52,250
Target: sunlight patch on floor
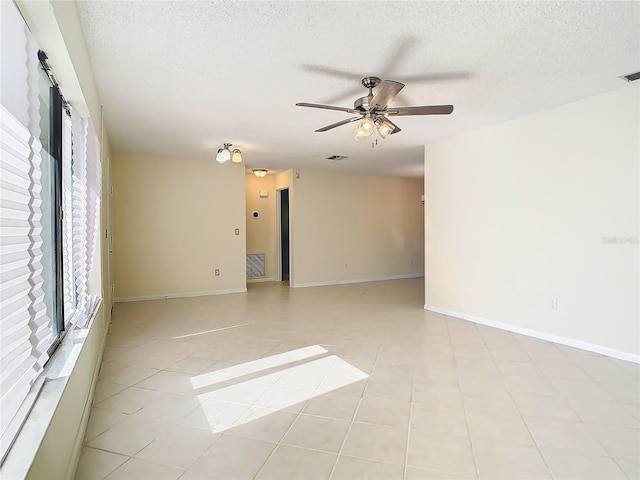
x,y
242,402
211,331
250,368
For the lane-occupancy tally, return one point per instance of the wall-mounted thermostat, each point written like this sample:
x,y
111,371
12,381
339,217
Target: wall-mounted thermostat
x,y
255,214
264,193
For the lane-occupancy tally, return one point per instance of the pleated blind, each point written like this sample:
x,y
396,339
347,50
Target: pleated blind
x,y
25,321
28,220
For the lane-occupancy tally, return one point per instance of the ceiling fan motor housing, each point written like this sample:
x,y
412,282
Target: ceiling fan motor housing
x,y
362,103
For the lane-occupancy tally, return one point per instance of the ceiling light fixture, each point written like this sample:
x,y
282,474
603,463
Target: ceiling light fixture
x,y
259,172
371,126
364,129
225,154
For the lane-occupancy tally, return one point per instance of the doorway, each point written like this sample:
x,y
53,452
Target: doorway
x,y
283,236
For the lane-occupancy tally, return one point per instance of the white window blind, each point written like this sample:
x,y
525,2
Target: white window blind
x,y
25,227
25,322
86,205
28,216
68,235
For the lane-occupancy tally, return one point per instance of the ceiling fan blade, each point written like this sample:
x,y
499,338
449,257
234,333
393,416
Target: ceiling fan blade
x,y
402,50
331,72
344,95
327,107
385,92
436,77
420,110
338,124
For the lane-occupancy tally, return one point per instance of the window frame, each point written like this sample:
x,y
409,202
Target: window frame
x,y
57,108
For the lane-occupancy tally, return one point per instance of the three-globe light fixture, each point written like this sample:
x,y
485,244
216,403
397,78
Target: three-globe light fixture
x,y
225,154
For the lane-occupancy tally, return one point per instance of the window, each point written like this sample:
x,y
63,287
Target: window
x,y
49,205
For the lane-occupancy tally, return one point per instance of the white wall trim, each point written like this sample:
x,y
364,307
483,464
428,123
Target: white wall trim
x,y
180,295
261,279
357,280
571,342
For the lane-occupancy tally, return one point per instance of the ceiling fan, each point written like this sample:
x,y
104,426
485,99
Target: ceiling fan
x,y
373,110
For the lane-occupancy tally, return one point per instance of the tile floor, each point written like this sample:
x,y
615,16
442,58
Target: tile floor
x,y
349,382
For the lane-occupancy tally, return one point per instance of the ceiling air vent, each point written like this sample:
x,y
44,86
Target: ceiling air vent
x,y
337,158
631,77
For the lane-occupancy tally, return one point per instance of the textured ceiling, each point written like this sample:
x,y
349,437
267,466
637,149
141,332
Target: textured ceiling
x,y
178,79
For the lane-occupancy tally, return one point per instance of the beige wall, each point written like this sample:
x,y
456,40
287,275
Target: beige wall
x,y
174,224
261,230
516,214
355,228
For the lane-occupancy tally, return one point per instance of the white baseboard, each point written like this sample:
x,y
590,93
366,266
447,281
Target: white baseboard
x,y
261,279
180,295
571,342
357,280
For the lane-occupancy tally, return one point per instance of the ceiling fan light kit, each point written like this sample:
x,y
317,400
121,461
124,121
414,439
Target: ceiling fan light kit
x,y
225,154
373,110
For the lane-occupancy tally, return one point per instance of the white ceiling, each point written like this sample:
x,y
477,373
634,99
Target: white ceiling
x,y
178,79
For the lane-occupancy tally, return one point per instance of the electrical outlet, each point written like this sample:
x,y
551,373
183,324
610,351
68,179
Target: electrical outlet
x,y
237,231
217,272
554,303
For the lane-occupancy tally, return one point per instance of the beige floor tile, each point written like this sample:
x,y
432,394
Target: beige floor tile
x,y
415,473
562,434
443,453
333,405
263,424
230,458
572,465
579,390
101,420
439,418
618,442
613,414
376,442
170,407
350,468
169,382
178,447
105,390
523,369
191,365
279,397
434,393
215,415
546,407
397,390
96,464
337,352
384,411
317,433
137,469
519,385
130,435
297,463
566,372
632,469
130,400
505,460
127,375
